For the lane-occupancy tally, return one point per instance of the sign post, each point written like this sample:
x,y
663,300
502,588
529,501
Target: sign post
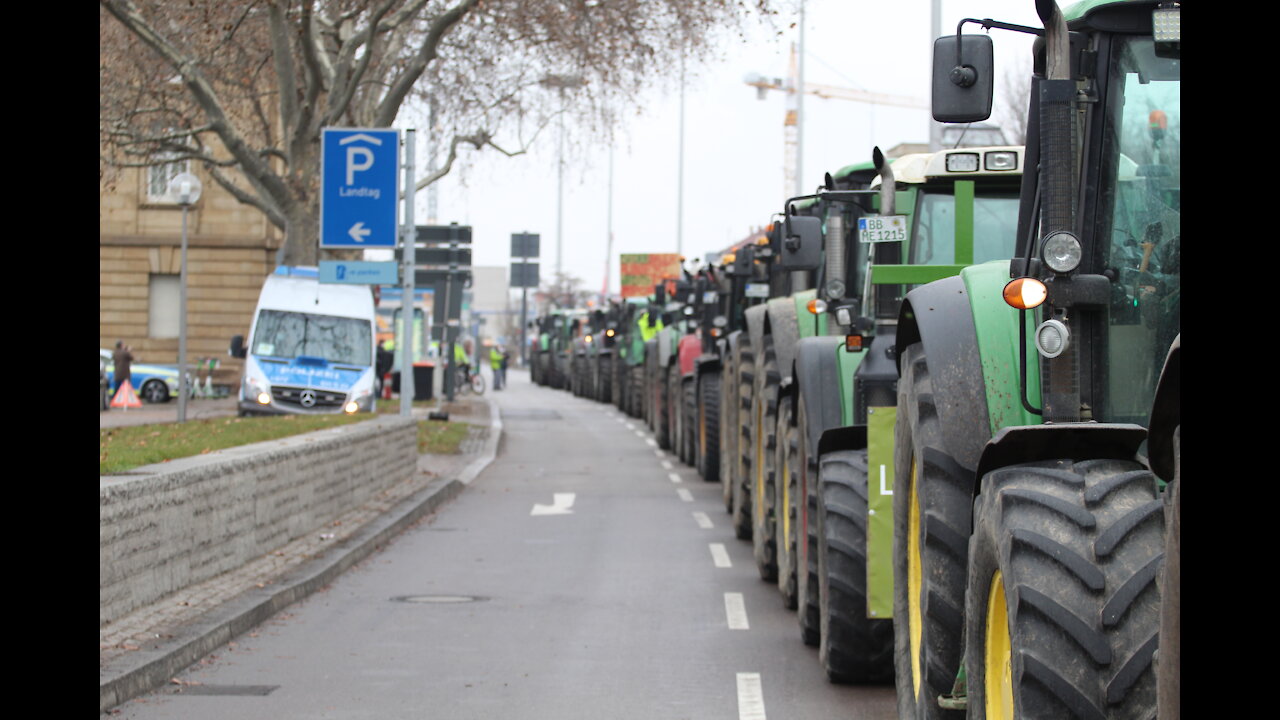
x,y
525,275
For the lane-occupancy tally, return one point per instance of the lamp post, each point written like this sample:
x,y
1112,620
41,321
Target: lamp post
x,y
185,189
562,83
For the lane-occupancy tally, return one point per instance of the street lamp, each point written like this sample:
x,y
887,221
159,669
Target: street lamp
x,y
185,189
562,83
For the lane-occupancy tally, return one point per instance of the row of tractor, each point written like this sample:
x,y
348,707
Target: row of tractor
x,y
941,393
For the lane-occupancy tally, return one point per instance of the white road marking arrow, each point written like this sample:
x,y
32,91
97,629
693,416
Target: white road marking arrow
x,y
560,506
359,232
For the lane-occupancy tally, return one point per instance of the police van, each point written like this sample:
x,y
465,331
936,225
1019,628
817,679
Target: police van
x,y
311,347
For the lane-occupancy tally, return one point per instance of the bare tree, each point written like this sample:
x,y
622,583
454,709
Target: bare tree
x,y
249,84
1015,95
563,291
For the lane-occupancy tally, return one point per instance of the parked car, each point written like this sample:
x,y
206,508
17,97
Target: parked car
x,y
153,383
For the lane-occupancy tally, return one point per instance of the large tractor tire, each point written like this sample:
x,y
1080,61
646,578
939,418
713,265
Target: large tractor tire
x,y
662,418
1169,665
742,512
788,519
688,428
637,391
852,647
764,493
805,490
932,516
729,432
671,406
708,414
1063,610
619,370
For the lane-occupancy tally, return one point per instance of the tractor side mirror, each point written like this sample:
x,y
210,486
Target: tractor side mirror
x,y
802,246
963,78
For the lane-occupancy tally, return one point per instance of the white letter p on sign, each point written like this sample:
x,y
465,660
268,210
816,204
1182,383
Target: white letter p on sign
x,y
354,166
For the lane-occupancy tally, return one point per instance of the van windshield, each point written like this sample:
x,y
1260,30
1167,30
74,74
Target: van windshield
x,y
336,339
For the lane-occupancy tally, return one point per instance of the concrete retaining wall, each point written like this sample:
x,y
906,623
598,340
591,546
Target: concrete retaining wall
x,y
167,526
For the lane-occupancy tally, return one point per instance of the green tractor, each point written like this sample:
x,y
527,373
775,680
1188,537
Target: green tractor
x,y
636,322
1037,438
828,368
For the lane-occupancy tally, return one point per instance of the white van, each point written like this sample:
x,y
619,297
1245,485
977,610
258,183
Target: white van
x,y
311,347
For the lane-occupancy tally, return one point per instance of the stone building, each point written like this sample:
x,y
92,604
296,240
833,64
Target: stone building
x,y
231,247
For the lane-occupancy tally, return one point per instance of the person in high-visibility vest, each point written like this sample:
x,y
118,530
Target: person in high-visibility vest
x,y
495,363
647,331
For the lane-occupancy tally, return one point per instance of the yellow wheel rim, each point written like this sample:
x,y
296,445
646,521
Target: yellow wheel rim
x,y
914,580
997,663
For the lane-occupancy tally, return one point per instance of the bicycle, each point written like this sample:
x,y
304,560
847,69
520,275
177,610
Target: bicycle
x,y
466,382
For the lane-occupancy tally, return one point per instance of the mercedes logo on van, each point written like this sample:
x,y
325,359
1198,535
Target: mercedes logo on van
x,y
308,398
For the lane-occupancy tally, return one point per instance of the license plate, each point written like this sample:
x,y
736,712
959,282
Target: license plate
x,y
757,290
882,228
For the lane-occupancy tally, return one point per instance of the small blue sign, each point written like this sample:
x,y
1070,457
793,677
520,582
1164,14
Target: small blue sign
x,y
359,272
360,187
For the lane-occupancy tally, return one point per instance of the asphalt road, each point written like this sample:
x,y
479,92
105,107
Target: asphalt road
x,y
583,574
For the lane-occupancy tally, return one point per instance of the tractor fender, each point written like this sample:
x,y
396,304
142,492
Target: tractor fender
x,y
757,319
708,363
1077,441
1166,415
663,346
816,372
690,348
785,330
939,316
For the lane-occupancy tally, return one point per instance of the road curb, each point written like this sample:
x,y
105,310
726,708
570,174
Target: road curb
x,y
145,670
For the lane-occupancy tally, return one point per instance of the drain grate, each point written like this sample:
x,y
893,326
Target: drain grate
x,y
241,690
530,414
438,599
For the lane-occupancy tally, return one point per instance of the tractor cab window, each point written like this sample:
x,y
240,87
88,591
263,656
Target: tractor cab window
x,y
1141,223
995,225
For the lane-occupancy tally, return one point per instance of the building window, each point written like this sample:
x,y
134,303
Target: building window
x,y
158,177
162,306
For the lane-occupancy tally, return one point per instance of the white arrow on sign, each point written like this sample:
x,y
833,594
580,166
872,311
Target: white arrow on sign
x,y
560,506
359,232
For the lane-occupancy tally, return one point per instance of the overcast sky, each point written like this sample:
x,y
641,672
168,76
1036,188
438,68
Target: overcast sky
x,y
733,142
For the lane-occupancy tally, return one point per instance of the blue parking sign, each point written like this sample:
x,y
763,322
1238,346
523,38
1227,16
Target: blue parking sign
x,y
360,190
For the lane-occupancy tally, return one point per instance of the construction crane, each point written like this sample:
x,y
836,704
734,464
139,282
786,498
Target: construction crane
x,y
791,121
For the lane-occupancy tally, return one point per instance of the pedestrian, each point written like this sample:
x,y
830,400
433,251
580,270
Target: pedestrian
x,y
506,360
495,364
122,358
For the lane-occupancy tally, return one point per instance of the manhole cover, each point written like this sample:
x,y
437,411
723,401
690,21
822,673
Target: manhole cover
x,y
438,599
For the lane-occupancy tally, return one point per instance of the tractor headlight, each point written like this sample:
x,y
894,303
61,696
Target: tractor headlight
x,y
1001,160
835,288
1052,338
962,162
1166,23
844,316
1061,252
720,321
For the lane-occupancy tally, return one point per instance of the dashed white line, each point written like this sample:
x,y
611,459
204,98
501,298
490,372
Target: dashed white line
x,y
750,697
703,521
652,442
735,609
685,495
674,477
666,464
720,556
629,426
